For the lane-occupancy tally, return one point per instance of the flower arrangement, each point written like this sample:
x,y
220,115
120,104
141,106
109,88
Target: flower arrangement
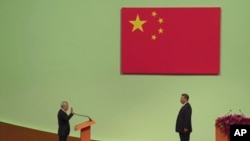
x,y
224,122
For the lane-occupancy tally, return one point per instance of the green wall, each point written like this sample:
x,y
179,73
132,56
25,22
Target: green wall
x,y
70,50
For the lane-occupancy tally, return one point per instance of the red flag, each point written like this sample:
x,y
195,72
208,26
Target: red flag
x,y
170,40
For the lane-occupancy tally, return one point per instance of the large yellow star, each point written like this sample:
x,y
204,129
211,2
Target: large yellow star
x,y
137,24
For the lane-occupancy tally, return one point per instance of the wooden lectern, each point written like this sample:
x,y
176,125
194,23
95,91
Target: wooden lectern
x,y
85,130
220,136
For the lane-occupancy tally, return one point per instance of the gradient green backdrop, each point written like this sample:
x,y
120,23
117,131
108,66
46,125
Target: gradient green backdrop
x,y
54,50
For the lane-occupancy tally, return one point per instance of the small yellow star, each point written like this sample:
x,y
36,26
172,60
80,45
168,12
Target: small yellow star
x,y
160,30
160,20
137,24
153,37
154,14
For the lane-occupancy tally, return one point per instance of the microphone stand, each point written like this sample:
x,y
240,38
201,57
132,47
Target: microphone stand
x,y
229,112
83,116
241,112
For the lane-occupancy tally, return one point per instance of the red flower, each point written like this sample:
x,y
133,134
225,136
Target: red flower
x,y
224,122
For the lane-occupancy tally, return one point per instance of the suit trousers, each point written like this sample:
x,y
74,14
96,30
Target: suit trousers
x,y
63,138
184,136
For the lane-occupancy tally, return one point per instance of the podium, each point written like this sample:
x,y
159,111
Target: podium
x,y
85,128
220,136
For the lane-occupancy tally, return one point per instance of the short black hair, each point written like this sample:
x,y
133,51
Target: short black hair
x,y
186,96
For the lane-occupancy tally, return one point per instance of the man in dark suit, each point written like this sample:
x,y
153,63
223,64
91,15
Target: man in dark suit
x,y
183,122
63,121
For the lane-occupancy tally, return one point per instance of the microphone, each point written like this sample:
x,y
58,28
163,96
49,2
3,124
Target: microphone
x,y
83,116
241,112
229,112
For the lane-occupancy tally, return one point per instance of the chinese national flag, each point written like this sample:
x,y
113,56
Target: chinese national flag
x,y
170,40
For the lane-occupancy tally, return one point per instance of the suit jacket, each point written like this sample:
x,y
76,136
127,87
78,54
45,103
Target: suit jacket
x,y
63,123
184,119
